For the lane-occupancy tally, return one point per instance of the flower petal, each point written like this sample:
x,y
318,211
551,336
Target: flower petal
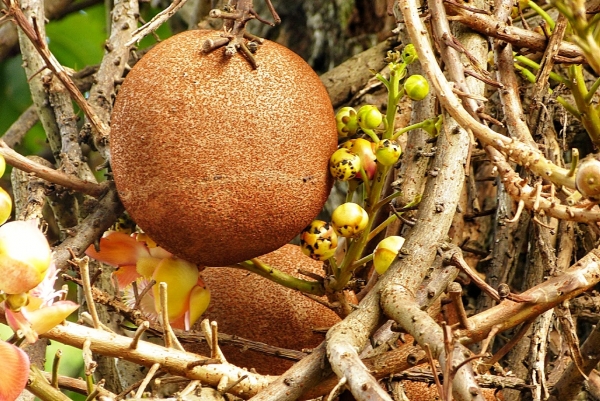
x,y
125,275
146,304
25,256
181,276
118,249
15,377
147,265
43,320
160,253
199,300
19,323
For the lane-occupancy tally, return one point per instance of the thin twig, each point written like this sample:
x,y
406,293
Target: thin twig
x,y
84,271
155,22
170,338
52,63
55,176
151,372
138,334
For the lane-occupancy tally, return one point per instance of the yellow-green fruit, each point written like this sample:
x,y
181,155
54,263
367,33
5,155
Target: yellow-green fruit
x,y
25,256
587,179
221,148
346,122
344,165
388,152
369,117
385,252
5,206
349,219
409,54
319,240
2,165
416,87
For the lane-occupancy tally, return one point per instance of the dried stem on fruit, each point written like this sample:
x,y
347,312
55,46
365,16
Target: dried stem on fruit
x,y
235,15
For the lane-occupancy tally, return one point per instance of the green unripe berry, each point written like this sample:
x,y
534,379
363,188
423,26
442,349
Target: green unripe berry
x,y
318,240
349,219
346,122
385,252
416,87
409,54
344,165
388,152
369,117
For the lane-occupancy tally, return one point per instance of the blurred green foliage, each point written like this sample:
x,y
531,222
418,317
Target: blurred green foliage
x,y
72,46
77,41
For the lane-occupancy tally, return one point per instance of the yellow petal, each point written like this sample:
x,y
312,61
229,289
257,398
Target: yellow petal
x,y
146,266
44,319
180,276
199,300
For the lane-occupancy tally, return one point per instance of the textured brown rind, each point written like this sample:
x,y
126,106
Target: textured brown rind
x,y
216,161
255,308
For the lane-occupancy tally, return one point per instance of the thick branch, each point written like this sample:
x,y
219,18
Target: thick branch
x,y
581,277
104,215
520,152
123,23
57,177
434,218
175,362
519,37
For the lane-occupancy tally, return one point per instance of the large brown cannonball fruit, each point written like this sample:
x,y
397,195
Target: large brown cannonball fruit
x,y
219,162
255,308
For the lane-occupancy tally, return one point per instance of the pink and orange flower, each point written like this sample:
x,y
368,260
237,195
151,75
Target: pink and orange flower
x,y
27,297
138,259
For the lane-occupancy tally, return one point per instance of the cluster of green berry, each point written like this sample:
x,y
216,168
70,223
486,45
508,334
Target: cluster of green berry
x,y
368,150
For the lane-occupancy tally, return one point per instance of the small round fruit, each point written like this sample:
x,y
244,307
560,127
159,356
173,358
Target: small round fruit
x,y
587,179
5,206
369,117
210,156
349,219
318,240
388,152
346,122
25,256
344,165
416,87
385,252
